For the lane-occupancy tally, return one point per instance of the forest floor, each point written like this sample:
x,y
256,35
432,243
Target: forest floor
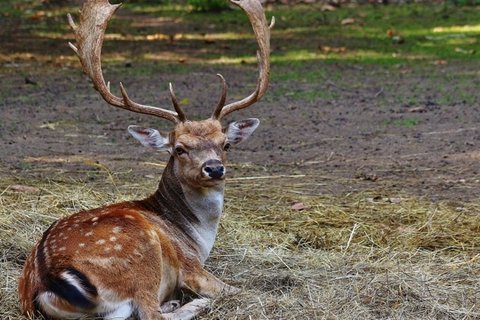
x,y
357,197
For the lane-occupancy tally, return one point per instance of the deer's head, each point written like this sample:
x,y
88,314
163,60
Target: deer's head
x,y
198,148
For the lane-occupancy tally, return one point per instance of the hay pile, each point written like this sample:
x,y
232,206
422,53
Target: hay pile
x,y
359,256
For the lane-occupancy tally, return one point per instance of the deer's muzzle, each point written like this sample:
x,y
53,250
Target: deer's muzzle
x,y
213,169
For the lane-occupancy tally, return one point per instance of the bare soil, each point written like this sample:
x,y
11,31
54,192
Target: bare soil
x,y
385,128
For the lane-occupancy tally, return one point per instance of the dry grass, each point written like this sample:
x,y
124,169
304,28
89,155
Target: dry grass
x,y
359,256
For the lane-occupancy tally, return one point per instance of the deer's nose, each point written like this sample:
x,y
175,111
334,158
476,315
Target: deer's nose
x,y
213,169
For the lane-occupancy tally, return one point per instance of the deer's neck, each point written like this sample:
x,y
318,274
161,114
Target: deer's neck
x,y
196,212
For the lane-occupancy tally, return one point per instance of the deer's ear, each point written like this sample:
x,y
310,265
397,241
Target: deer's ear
x,y
239,131
150,138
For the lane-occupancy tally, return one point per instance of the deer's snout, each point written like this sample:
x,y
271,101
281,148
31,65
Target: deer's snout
x,y
213,169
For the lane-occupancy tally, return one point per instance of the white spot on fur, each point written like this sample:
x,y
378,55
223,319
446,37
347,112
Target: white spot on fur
x,y
101,241
94,219
117,229
117,247
113,238
88,234
81,245
129,217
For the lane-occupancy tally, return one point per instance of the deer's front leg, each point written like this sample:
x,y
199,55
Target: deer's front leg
x,y
206,284
189,310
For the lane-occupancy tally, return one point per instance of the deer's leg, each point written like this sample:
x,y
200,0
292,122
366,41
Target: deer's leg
x,y
170,306
206,284
189,310
147,305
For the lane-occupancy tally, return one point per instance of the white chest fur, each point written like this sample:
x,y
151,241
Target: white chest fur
x,y
207,206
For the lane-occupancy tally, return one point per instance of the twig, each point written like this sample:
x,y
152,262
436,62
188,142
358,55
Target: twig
x,y
269,177
379,92
352,233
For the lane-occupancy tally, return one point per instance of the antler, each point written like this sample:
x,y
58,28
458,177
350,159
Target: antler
x,y
256,15
89,35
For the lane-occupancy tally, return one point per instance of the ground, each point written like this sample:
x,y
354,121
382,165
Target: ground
x,y
355,198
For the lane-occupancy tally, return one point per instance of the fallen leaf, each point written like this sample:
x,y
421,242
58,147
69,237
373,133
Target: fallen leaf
x,y
417,110
441,62
23,188
333,49
460,50
391,32
298,206
49,125
38,15
327,7
347,21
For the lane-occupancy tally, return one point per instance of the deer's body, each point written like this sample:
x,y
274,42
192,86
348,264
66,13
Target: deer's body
x,y
134,257
132,252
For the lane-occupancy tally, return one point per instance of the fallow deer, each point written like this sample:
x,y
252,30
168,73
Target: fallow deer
x,y
132,258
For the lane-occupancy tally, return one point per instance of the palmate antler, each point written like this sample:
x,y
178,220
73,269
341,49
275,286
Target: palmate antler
x,y
89,35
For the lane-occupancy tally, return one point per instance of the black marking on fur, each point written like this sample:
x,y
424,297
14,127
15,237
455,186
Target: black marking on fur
x,y
84,281
170,203
69,292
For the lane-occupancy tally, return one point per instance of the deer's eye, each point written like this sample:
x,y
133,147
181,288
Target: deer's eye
x,y
179,151
226,147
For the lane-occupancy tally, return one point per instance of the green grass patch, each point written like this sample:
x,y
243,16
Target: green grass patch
x,y
365,34
406,122
377,34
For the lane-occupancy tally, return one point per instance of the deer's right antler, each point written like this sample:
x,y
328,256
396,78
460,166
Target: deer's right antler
x,y
89,35
256,15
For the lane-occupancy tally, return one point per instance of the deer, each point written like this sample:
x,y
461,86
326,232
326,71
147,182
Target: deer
x,y
134,258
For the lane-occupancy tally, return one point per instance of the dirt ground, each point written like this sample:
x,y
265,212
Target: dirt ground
x,y
330,129
394,129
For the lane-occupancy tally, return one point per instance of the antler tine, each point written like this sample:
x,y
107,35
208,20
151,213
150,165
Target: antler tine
x,y
89,35
256,15
223,98
176,105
